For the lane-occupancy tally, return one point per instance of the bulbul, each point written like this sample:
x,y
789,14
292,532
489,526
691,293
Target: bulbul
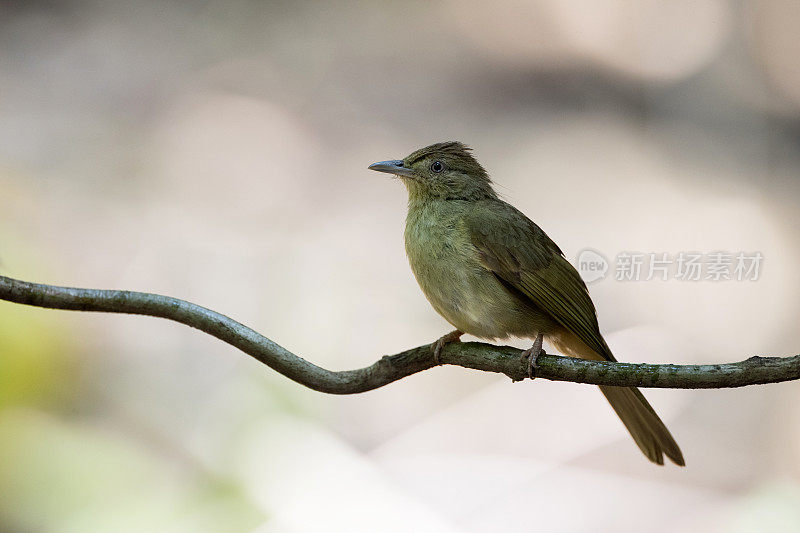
x,y
493,273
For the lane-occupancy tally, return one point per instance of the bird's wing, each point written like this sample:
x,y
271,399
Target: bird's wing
x,y
527,261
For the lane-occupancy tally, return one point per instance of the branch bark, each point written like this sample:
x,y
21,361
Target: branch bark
x,y
479,356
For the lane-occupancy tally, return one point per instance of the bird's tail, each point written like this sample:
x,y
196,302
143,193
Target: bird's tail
x,y
644,425
639,417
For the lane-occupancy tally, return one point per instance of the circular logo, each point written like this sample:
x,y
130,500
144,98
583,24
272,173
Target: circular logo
x,y
592,265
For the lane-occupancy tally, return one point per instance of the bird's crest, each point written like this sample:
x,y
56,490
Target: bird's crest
x,y
455,148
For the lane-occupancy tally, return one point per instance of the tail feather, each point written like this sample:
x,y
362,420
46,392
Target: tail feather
x,y
639,417
644,425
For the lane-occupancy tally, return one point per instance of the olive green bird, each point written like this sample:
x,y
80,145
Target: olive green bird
x,y
491,272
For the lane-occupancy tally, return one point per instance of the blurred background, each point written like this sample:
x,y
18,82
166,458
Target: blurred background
x,y
217,152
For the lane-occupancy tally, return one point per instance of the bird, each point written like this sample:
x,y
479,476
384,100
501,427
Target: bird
x,y
491,272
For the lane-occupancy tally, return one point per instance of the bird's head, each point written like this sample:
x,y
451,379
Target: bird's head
x,y
445,171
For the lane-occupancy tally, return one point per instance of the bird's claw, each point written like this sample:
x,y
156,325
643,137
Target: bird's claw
x,y
453,336
532,355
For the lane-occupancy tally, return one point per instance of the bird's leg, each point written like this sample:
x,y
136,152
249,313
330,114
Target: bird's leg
x,y
532,354
446,339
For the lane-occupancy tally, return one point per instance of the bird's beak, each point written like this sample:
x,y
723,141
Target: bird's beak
x,y
393,167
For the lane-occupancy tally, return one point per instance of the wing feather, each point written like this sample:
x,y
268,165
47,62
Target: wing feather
x,y
524,257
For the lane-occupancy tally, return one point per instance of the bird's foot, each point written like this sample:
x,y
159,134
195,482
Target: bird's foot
x,y
532,354
437,346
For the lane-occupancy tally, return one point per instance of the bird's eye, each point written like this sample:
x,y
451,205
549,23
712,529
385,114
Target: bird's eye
x,y
437,166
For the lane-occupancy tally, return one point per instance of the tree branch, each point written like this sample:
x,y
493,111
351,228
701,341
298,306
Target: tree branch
x,y
479,356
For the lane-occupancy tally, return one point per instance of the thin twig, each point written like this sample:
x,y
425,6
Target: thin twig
x,y
479,356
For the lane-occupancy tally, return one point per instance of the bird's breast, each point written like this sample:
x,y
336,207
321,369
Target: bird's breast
x,y
455,282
